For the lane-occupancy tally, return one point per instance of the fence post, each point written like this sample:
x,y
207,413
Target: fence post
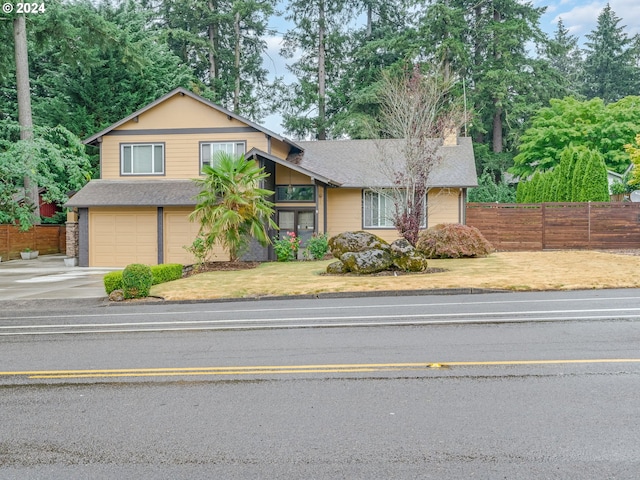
x,y
544,226
589,225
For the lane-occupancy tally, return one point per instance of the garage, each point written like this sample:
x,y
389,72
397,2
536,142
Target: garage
x,y
118,237
180,232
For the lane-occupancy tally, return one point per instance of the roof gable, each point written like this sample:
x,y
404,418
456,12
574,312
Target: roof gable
x,y
200,107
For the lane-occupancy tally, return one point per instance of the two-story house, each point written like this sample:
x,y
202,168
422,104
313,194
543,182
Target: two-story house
x,y
138,211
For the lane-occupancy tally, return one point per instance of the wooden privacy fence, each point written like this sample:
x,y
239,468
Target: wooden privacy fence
x,y
553,226
46,239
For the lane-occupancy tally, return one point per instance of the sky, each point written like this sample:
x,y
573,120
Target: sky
x,y
579,16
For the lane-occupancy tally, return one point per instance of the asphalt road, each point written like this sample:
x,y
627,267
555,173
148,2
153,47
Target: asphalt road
x,y
536,385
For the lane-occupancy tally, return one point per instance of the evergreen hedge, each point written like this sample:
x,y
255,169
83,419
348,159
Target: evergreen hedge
x,y
159,274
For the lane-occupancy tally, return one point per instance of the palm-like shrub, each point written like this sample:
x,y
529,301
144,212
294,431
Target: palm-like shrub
x,y
232,207
453,240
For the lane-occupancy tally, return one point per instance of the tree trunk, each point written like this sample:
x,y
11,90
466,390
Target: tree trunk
x,y
24,105
369,19
497,112
322,131
236,92
497,129
213,48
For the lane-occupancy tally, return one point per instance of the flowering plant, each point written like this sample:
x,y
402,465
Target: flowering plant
x,y
286,248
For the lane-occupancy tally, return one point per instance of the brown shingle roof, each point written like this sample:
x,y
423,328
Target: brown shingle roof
x,y
355,163
135,193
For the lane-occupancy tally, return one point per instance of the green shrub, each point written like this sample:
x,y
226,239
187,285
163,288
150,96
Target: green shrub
x,y
317,247
113,281
136,280
286,248
166,272
452,240
200,249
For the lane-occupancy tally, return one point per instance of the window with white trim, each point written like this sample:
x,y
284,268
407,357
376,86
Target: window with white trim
x,y
142,159
378,210
209,150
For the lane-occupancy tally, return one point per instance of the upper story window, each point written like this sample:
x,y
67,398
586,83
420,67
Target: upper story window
x,y
142,159
209,150
379,208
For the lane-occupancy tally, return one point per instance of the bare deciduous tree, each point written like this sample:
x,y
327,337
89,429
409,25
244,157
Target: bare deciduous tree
x,y
419,110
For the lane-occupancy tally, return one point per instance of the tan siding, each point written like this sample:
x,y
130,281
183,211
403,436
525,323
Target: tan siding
x,y
279,149
286,176
181,112
321,192
388,234
180,232
118,237
345,211
182,156
345,214
344,207
443,206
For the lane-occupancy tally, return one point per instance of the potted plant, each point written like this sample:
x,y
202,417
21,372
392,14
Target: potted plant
x,y
618,189
28,254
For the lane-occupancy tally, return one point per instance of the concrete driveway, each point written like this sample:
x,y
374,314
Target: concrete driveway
x,y
47,277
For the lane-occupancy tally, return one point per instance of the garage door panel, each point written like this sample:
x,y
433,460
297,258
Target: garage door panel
x,y
120,237
180,232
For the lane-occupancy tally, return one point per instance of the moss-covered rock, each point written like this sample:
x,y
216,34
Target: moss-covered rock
x,y
411,263
368,261
336,268
359,241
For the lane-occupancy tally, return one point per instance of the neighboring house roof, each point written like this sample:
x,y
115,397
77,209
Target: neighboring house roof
x,y
182,91
136,193
357,163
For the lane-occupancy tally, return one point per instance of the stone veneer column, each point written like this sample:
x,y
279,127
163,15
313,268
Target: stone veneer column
x,y
72,240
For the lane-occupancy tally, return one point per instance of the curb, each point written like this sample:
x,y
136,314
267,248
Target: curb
x,y
319,296
25,305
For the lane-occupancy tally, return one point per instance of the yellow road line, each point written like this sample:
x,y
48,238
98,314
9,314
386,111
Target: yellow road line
x,y
290,369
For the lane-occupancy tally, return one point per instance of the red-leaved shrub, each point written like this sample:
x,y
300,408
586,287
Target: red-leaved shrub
x,y
453,240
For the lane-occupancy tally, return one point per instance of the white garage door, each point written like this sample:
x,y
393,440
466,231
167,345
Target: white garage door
x,y
118,237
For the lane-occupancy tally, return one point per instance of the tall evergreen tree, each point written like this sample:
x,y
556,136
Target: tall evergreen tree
x,y
565,59
501,76
387,41
319,33
610,71
223,42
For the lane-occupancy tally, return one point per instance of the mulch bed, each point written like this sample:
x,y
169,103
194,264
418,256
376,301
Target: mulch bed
x,y
386,273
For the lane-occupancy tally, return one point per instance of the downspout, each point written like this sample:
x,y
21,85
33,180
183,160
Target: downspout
x,y
325,216
160,241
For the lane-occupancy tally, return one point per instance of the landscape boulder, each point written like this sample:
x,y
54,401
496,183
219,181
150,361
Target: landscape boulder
x,y
406,257
359,241
367,261
365,253
337,268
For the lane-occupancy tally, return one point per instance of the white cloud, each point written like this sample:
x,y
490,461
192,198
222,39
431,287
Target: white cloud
x,y
583,17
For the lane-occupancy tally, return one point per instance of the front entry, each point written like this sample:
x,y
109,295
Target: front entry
x,y
302,222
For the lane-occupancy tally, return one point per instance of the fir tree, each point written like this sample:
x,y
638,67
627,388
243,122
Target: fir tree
x,y
610,72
